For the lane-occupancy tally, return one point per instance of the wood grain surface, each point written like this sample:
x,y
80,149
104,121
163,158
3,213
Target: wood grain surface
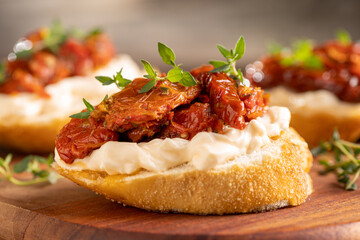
x,y
67,211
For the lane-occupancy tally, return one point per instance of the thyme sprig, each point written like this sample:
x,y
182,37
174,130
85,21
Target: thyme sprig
x,y
176,74
89,108
345,162
301,54
231,55
85,114
117,79
31,164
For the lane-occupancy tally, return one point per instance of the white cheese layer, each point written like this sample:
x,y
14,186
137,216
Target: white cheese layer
x,y
313,102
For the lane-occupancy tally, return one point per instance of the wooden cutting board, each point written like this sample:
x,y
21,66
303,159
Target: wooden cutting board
x,y
67,211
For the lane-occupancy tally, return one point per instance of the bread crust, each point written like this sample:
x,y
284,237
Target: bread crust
x,y
30,137
278,180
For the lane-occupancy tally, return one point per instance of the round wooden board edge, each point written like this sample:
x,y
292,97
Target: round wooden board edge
x,y
19,223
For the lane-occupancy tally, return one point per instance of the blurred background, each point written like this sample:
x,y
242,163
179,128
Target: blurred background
x,y
191,28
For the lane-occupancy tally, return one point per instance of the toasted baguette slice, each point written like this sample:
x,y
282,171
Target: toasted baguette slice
x,y
274,176
30,137
315,114
318,127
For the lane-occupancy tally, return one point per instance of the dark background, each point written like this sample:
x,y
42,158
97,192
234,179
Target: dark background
x,y
191,28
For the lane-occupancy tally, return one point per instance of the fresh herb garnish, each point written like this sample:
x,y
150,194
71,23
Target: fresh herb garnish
x,y
56,36
232,55
118,79
176,74
30,164
343,37
345,161
302,54
84,114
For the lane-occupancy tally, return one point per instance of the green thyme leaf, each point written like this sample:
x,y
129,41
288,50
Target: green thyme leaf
x,y
167,54
356,152
302,50
149,69
345,162
120,81
41,159
23,164
84,114
226,53
105,98
343,37
217,64
188,80
318,150
5,161
175,75
81,115
105,80
88,105
325,163
232,55
41,173
239,48
313,62
148,86
343,178
224,68
240,76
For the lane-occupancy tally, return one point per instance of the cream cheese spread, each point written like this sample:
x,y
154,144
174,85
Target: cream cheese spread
x,y
313,102
204,151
